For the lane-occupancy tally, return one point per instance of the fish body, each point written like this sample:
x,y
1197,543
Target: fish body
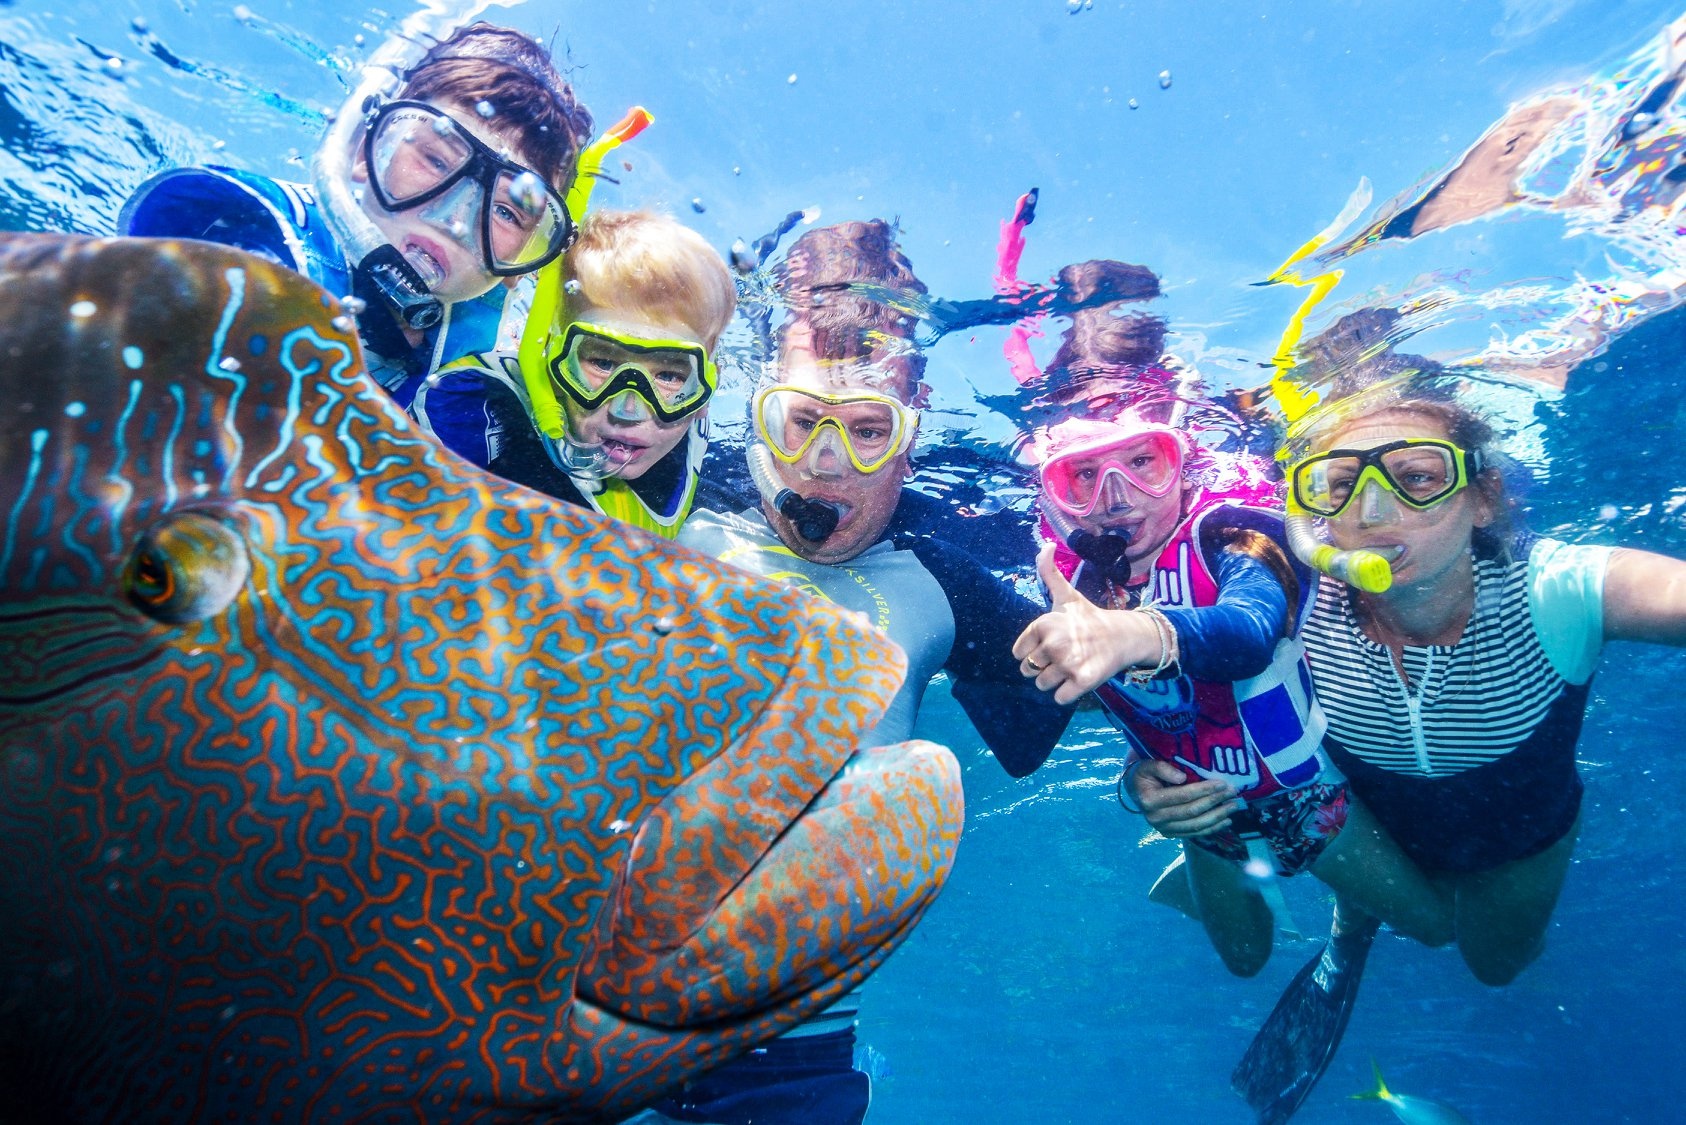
x,y
342,781
1410,1109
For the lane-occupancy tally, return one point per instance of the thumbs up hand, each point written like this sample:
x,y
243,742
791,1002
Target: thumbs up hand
x,y
1077,646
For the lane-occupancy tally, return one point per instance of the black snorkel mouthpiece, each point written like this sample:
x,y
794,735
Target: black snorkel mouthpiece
x,y
1103,552
814,520
384,277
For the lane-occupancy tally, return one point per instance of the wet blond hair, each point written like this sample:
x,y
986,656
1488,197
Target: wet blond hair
x,y
650,263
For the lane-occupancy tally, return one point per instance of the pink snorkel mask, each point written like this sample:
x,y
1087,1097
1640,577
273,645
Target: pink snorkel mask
x,y
1089,466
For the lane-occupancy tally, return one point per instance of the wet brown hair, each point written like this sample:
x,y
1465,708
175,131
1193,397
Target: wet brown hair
x,y
1257,545
515,76
848,326
1100,342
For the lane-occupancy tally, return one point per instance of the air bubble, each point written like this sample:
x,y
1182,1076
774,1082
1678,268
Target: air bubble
x,y
1164,80
1073,6
620,826
572,287
140,25
743,257
75,409
444,126
1608,512
83,309
527,190
697,204
114,63
1258,869
485,109
229,363
1134,104
133,357
791,81
736,171
353,306
343,323
242,13
458,228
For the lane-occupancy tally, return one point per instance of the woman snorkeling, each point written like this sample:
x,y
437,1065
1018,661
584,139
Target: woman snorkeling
x,y
1174,600
1455,696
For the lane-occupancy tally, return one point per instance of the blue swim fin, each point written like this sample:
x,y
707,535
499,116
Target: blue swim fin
x,y
1293,1048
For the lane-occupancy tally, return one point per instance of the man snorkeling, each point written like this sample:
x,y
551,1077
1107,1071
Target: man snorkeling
x,y
831,444
428,198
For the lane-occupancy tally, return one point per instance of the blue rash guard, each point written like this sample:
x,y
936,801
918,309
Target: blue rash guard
x,y
281,222
1236,638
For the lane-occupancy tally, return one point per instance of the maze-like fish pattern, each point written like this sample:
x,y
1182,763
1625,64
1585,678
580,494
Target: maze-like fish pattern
x,y
344,782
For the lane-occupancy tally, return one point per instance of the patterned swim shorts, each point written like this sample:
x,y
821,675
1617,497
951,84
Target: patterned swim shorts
x,y
1297,824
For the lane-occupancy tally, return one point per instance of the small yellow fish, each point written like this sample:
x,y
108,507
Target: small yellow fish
x,y
1413,1110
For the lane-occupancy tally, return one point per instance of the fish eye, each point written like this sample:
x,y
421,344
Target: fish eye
x,y
186,567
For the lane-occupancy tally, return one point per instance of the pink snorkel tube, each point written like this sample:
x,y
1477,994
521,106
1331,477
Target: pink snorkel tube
x,y
1008,250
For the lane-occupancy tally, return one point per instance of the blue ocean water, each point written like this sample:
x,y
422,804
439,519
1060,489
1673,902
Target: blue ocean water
x,y
1043,987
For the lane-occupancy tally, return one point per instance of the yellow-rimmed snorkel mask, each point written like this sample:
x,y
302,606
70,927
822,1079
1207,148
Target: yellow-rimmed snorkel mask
x,y
592,365
1418,472
864,428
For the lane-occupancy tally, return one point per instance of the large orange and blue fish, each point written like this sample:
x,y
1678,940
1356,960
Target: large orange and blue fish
x,y
342,782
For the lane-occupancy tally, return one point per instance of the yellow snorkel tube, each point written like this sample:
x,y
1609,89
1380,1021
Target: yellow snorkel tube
x,y
547,298
1365,570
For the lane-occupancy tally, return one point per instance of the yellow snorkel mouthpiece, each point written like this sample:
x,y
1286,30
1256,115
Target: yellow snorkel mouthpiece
x,y
543,318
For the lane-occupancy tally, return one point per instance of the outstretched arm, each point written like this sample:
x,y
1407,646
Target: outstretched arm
x,y
1645,598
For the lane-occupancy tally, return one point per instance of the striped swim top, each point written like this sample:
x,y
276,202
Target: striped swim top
x,y
1476,700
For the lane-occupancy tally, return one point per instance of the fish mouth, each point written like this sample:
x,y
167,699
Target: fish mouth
x,y
810,864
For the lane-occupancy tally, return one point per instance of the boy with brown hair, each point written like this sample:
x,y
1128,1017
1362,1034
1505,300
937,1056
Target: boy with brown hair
x,y
459,180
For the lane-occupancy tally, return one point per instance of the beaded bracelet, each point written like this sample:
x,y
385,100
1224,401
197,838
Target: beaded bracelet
x,y
1167,644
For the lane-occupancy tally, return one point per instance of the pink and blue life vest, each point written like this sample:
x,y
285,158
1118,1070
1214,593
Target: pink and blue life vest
x,y
1262,734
